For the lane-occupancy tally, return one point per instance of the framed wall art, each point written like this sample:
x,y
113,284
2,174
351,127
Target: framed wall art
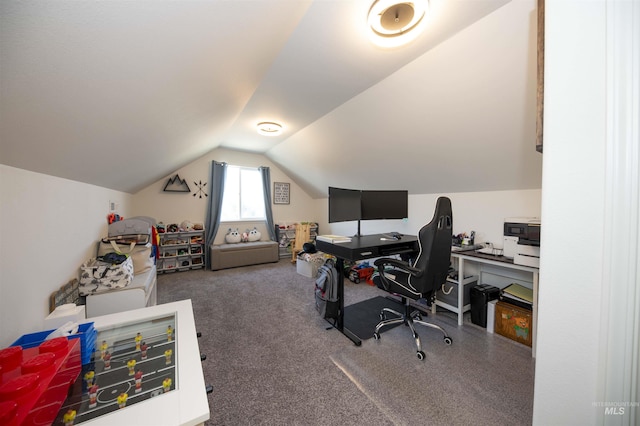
x,y
281,193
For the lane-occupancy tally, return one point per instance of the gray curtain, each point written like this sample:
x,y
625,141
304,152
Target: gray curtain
x,y
266,189
214,208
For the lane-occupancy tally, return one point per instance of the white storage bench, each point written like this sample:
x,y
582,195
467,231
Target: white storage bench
x,y
141,293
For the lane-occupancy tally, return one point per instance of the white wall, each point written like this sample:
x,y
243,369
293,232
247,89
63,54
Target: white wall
x,y
585,250
177,207
48,227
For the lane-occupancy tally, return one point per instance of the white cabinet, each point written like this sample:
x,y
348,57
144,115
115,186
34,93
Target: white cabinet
x,y
181,251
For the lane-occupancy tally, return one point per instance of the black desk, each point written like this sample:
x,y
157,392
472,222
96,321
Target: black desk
x,y
363,247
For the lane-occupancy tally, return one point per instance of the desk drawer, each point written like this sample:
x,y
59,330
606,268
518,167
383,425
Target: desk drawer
x,y
368,247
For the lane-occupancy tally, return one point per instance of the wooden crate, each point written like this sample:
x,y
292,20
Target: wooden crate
x,y
514,322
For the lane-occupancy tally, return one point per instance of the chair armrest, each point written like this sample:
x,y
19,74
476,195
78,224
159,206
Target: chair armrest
x,y
399,264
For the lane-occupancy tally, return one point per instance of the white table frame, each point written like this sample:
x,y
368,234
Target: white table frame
x,y
187,405
461,308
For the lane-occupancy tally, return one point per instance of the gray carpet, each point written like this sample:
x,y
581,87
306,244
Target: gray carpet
x,y
272,361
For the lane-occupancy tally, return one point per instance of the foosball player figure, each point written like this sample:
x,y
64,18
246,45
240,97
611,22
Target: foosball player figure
x,y
138,339
93,396
166,384
169,333
131,364
69,417
138,378
167,356
107,361
122,400
103,349
88,377
143,350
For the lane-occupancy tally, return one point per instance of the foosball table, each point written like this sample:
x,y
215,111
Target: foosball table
x,y
143,369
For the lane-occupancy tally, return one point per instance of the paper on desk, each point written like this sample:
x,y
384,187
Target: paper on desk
x,y
333,238
520,292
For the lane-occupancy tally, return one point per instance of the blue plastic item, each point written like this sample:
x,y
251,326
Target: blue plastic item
x,y
86,333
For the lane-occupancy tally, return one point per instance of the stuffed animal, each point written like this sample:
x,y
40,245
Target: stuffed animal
x,y
186,226
245,236
233,236
254,235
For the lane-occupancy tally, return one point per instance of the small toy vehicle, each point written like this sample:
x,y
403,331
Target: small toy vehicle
x,y
359,273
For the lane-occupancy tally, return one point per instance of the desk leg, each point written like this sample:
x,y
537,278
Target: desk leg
x,y
460,291
534,328
340,320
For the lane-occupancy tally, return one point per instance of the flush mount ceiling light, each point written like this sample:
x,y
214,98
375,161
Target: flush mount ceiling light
x,y
269,128
396,22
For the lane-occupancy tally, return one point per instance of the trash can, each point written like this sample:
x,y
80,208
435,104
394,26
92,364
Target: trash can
x,y
481,295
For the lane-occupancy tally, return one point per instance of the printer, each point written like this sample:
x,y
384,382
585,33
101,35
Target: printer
x,y
522,240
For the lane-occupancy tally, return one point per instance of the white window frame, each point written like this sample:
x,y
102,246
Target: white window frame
x,y
228,193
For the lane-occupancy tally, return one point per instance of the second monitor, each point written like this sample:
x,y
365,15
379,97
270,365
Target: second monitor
x,y
352,204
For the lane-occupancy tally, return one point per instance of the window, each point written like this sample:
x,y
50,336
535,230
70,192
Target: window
x,y
243,197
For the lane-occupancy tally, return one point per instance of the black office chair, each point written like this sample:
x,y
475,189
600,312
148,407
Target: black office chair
x,y
423,277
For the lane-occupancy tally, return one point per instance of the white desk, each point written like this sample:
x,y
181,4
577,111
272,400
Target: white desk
x,y
498,261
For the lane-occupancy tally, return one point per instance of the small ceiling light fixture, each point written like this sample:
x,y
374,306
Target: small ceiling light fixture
x,y
269,128
396,22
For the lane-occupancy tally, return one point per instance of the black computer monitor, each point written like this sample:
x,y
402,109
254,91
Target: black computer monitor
x,y
385,205
344,204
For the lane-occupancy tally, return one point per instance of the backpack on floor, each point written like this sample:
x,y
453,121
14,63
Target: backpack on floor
x,y
326,291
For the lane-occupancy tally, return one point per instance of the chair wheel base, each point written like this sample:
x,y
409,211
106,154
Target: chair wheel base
x,y
376,336
420,355
448,340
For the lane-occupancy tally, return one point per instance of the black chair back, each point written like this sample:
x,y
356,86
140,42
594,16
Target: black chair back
x,y
435,249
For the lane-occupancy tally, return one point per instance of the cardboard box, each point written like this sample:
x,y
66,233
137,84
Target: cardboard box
x,y
307,264
514,322
306,268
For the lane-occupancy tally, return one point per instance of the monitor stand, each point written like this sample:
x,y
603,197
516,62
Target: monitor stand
x,y
358,234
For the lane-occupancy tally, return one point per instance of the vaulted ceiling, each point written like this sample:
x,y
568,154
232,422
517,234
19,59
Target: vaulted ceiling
x,y
120,94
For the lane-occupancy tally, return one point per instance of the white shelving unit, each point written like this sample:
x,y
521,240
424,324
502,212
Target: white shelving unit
x,y
181,251
286,235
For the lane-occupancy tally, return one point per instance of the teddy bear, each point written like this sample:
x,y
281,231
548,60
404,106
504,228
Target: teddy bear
x,y
186,225
254,235
233,236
